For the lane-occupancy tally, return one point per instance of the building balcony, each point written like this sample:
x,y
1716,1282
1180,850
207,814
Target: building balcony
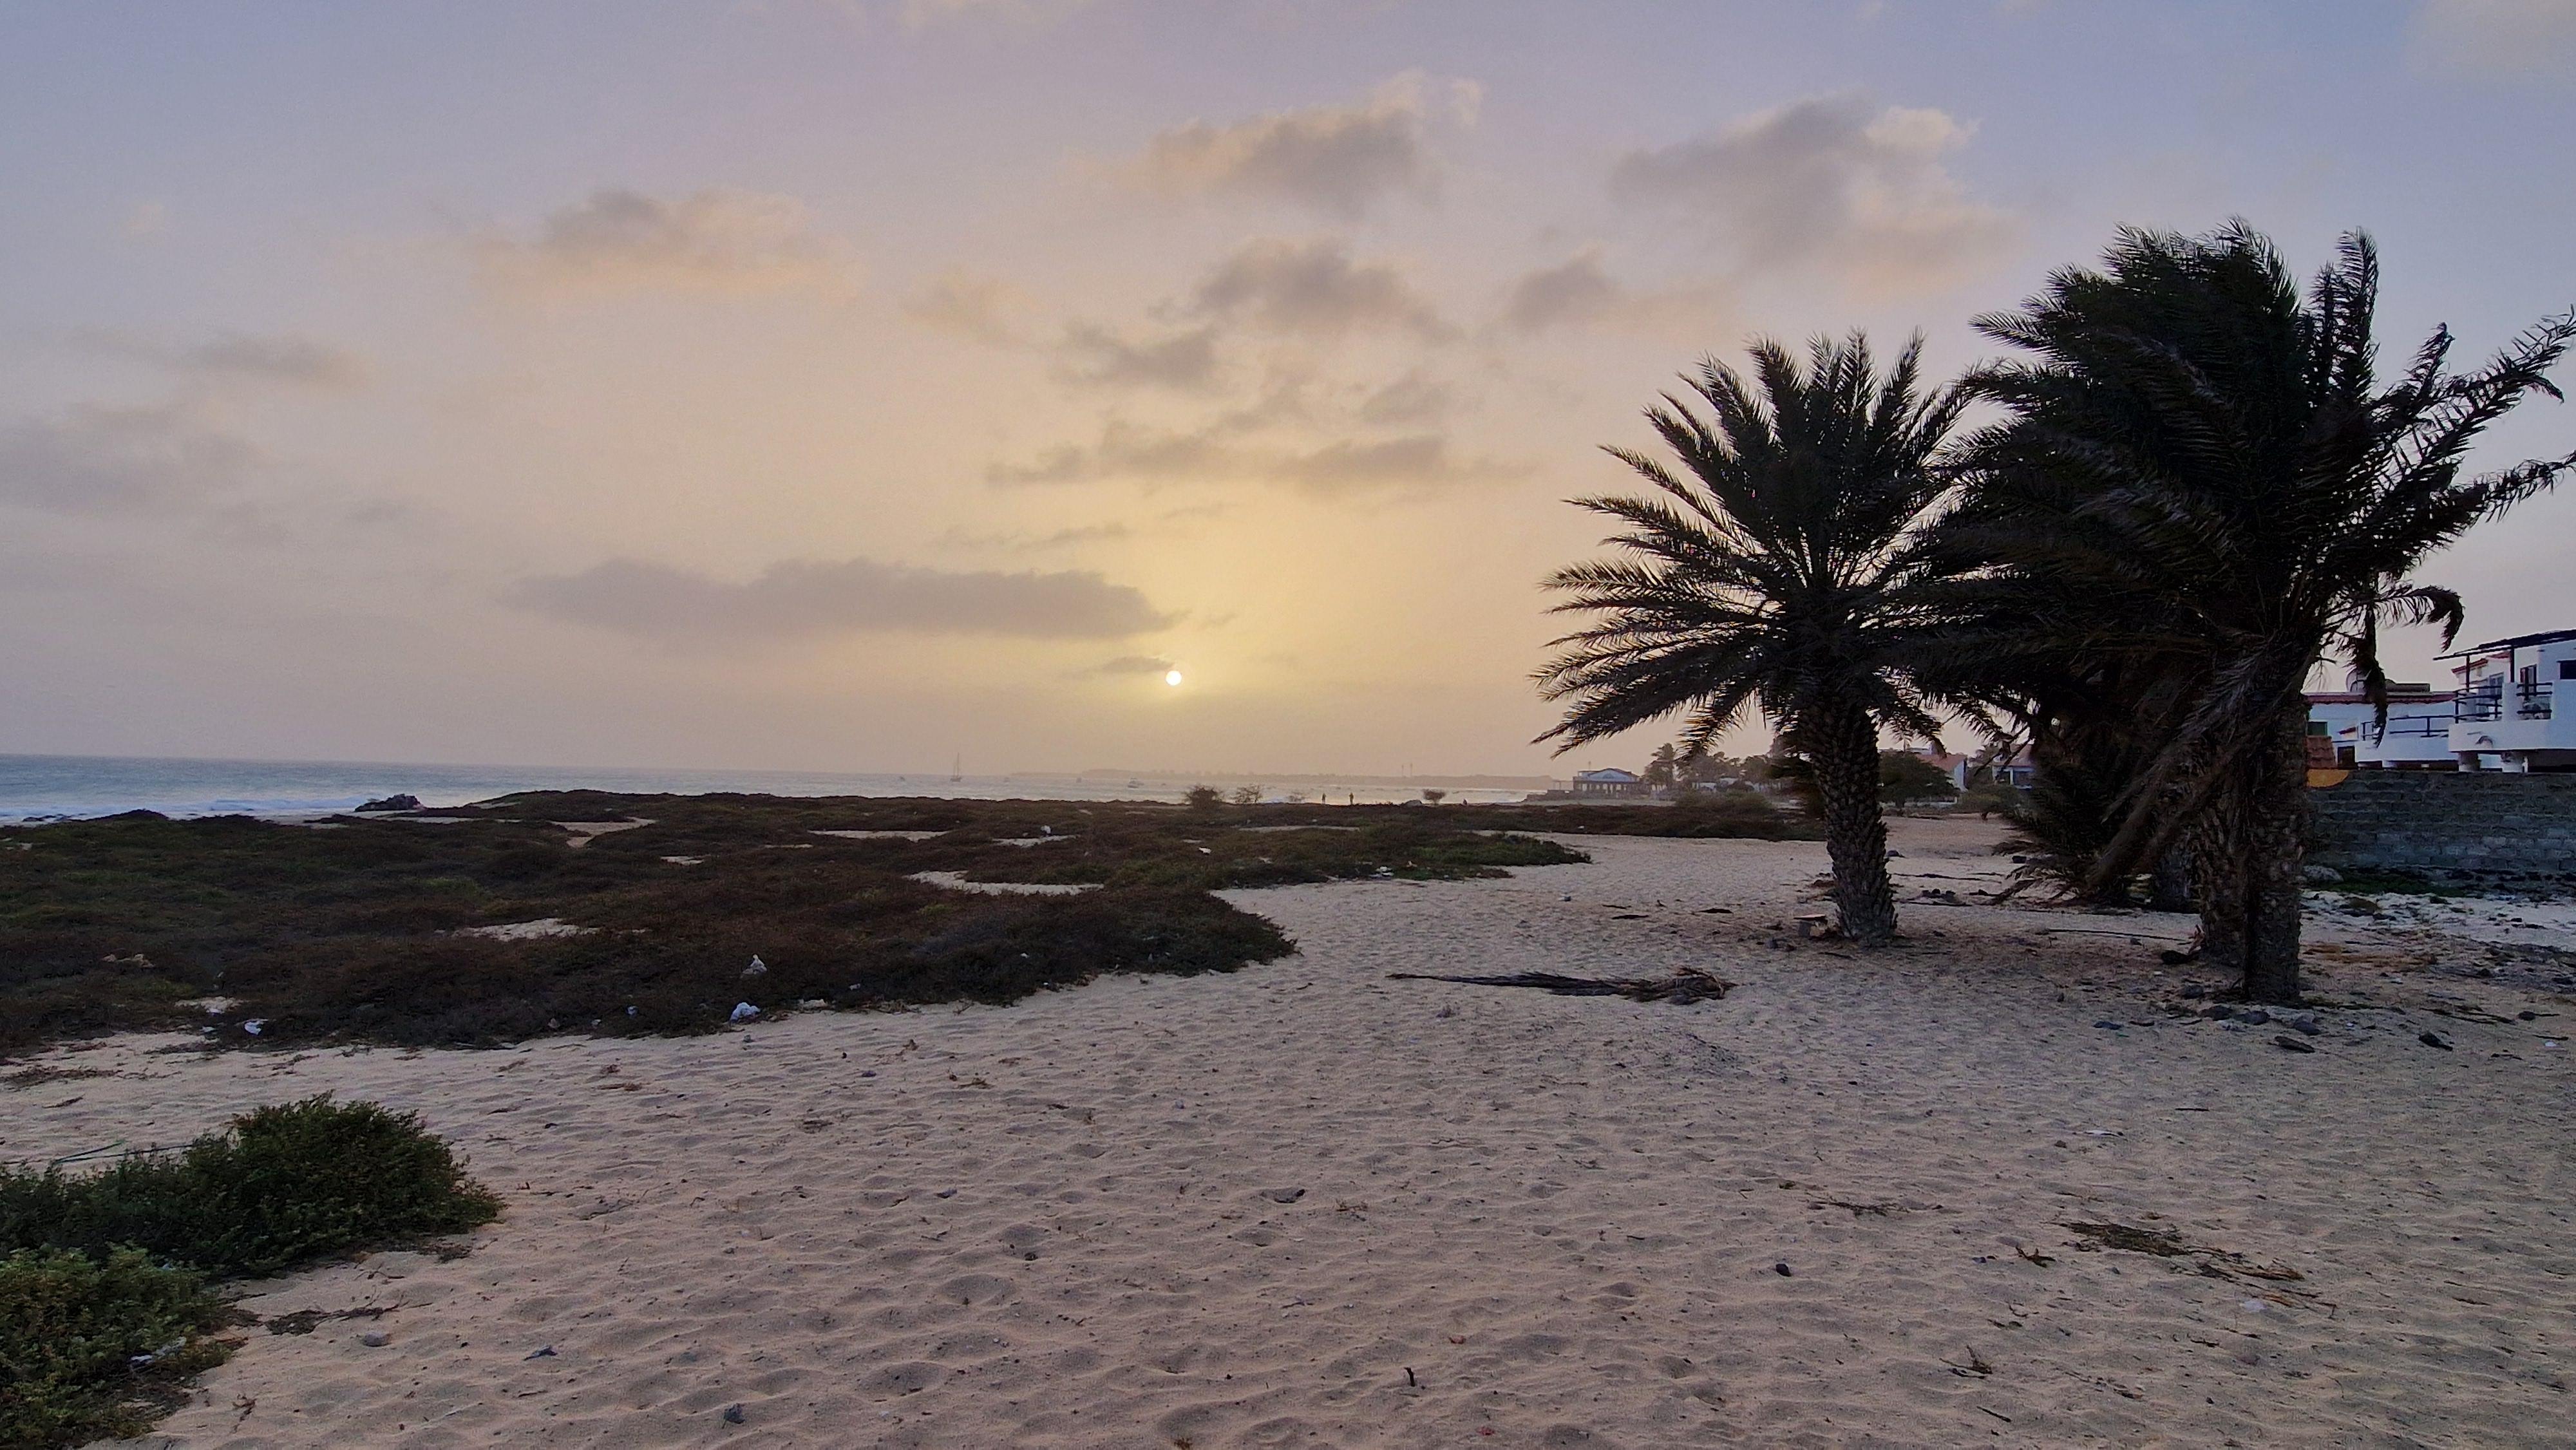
x,y
2511,731
2497,701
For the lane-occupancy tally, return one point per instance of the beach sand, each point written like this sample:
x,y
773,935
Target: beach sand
x,y
1304,1205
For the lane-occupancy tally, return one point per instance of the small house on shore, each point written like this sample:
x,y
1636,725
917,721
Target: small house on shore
x,y
1610,781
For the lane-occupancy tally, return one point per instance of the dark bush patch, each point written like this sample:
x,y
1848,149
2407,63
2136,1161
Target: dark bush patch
x,y
105,1304
998,956
365,930
1731,814
97,1347
1227,857
282,1186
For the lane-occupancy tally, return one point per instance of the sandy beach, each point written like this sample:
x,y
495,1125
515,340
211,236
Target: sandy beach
x,y
1305,1205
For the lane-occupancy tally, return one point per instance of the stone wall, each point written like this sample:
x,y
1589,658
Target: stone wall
x,y
2447,823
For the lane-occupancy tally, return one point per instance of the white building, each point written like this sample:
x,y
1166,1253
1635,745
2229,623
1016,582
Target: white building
x,y
2343,729
1608,782
2508,715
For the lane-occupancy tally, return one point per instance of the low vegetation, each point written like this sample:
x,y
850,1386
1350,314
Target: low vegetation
x,y
285,1185
1731,813
108,1298
72,1330
496,923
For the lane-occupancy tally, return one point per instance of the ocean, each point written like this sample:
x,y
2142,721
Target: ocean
x,y
56,787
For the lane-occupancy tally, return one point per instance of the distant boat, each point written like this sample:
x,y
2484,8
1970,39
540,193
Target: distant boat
x,y
1135,785
957,771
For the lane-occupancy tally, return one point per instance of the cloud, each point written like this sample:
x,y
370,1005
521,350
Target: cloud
x,y
247,357
1124,451
93,458
280,359
1830,184
806,597
918,14
1580,293
2513,37
1315,289
1031,542
1414,398
1133,665
711,241
1411,463
1574,291
1414,462
1093,353
986,309
1341,160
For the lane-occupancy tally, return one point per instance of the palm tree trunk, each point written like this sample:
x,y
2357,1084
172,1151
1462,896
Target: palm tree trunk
x,y
2275,849
2218,881
1842,745
2169,885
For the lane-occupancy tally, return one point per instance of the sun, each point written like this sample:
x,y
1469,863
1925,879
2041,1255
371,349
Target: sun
x,y
1172,678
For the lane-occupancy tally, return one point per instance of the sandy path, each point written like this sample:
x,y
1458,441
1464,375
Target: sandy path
x,y
1306,1206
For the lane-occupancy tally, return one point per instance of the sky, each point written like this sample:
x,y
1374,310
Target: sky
x,y
867,384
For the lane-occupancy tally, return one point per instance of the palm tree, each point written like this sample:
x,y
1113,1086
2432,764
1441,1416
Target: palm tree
x,y
2059,664
1780,571
2205,478
1663,768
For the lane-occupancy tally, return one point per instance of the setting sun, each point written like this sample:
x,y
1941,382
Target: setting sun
x,y
1172,678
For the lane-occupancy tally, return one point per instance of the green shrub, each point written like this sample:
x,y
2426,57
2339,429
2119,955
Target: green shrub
x,y
93,1347
105,1308
284,1185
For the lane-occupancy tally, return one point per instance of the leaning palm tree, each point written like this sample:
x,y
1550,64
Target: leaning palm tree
x,y
2065,666
1778,571
2204,472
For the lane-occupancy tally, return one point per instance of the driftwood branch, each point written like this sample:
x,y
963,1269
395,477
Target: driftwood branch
x,y
1690,984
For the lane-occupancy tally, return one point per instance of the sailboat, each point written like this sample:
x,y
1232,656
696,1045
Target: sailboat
x,y
957,771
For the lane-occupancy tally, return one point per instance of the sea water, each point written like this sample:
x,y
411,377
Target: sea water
x,y
54,787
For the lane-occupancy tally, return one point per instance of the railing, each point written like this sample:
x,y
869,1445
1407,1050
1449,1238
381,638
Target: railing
x,y
2487,701
2414,725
